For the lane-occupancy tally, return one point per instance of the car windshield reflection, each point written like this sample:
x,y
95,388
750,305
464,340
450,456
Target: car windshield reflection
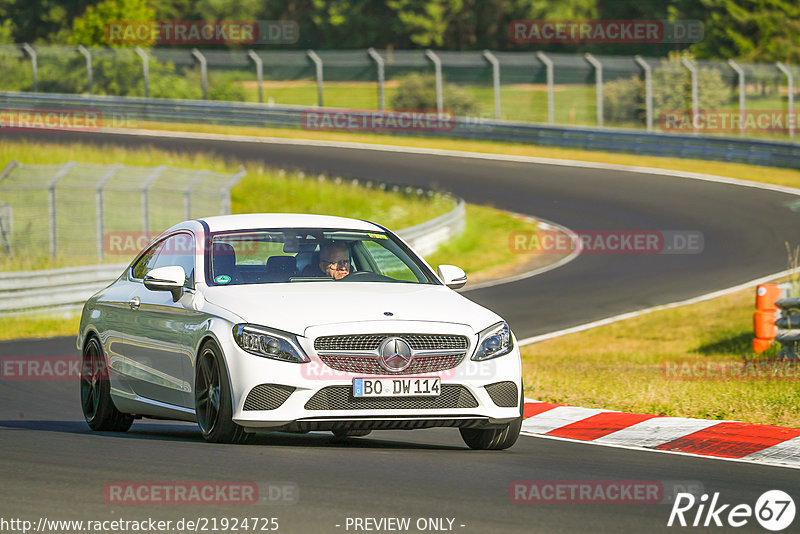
x,y
312,255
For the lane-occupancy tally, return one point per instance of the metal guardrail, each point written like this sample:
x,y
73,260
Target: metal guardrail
x,y
65,290
53,290
789,327
426,237
758,152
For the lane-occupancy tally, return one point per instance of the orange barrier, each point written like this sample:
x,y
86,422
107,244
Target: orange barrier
x,y
764,316
766,295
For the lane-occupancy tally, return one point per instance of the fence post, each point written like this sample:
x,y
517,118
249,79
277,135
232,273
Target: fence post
x,y
692,68
740,73
318,64
5,231
88,56
157,172
495,80
225,208
203,71
13,164
145,70
34,65
376,57
598,80
551,109
259,74
98,192
51,190
790,82
187,193
437,66
648,89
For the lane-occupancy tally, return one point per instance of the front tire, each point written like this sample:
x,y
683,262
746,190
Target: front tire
x,y
98,408
212,399
492,439
495,439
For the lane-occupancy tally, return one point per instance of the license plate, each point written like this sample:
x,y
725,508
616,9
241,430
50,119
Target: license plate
x,y
396,387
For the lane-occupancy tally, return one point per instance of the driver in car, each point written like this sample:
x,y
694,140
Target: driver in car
x,y
334,261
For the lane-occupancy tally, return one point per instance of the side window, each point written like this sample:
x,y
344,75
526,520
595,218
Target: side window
x,y
389,264
146,262
178,250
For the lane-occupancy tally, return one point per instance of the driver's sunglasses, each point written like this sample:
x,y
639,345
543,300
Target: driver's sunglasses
x,y
341,264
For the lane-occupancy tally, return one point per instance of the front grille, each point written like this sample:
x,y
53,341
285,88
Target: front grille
x,y
267,397
504,394
371,366
341,398
373,341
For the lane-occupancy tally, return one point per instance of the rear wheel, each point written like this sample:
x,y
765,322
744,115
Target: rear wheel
x,y
212,399
98,408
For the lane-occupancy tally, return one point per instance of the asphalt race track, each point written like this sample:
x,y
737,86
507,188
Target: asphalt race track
x,y
54,467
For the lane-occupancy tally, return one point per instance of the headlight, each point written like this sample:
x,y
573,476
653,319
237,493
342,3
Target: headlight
x,y
269,343
493,342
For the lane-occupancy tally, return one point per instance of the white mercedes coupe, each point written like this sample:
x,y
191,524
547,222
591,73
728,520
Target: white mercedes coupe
x,y
296,323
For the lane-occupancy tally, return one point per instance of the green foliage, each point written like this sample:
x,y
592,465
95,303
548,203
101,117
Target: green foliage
x,y
7,31
624,99
89,29
752,30
418,91
756,30
17,74
672,86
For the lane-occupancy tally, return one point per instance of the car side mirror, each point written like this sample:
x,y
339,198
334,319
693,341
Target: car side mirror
x,y
452,276
170,278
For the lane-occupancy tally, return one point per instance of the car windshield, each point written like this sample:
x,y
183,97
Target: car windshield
x,y
312,255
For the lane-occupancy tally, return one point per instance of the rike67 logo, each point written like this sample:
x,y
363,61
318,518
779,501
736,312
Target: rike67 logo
x,y
774,510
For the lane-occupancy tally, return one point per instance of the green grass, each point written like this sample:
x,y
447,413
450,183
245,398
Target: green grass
x,y
622,366
37,326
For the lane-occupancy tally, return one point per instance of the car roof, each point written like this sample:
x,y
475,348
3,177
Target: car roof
x,y
225,223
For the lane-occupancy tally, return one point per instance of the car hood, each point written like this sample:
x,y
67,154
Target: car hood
x,y
293,307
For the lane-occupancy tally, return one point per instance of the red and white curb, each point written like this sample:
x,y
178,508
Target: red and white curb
x,y
733,440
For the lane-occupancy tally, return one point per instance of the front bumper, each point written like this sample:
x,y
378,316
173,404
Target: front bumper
x,y
273,395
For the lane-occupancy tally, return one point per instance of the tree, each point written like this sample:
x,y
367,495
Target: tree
x,y
89,29
754,30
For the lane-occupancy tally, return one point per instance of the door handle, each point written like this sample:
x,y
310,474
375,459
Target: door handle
x,y
134,303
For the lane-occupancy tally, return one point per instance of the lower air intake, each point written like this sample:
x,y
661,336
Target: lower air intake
x,y
267,397
504,394
341,398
